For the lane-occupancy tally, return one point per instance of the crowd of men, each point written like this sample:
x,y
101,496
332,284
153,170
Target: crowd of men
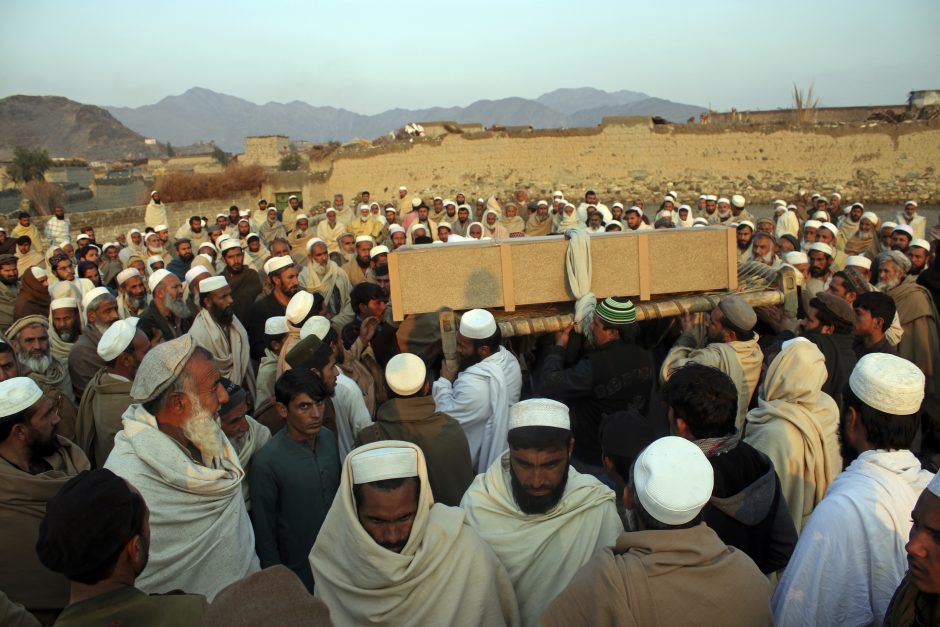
x,y
226,426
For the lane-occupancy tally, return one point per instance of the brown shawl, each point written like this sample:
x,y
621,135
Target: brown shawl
x,y
23,500
33,298
535,227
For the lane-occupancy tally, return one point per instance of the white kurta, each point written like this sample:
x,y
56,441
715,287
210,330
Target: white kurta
x,y
850,557
479,400
352,415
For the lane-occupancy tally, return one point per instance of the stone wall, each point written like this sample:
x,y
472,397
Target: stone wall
x,y
265,150
822,115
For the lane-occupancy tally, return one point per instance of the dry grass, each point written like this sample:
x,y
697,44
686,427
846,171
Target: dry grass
x,y
804,105
43,196
180,186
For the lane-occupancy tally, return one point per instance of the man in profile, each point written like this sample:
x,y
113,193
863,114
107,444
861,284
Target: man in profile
x,y
387,554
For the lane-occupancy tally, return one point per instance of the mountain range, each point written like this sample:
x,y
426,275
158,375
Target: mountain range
x,y
204,115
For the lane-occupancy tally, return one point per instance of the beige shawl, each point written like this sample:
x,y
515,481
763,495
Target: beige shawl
x,y
246,446
201,539
23,500
267,375
60,348
105,400
541,552
445,575
330,234
228,347
796,424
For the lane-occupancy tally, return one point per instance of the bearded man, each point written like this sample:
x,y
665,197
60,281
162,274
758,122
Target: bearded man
x,y
168,310
173,452
64,328
9,289
183,260
132,293
155,248
244,433
100,313
108,395
918,315
29,338
283,274
356,271
764,249
218,330
388,554
820,268
155,214
864,239
330,230
366,224
244,282
323,276
37,462
541,517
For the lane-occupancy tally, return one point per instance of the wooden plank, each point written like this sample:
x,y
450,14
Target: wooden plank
x,y
733,254
643,265
394,278
509,297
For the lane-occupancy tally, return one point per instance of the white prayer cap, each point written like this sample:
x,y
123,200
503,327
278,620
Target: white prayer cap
x,y
815,196
449,202
796,258
299,307
438,198
156,278
108,245
274,264
416,202
364,206
208,245
822,216
161,227
220,215
317,325
378,250
329,209
920,243
700,222
18,393
405,374
673,480
888,225
38,272
364,238
738,201
635,209
292,197
84,236
746,223
477,324
666,214
403,189
92,295
152,259
686,207
557,194
780,209
275,325
378,464
63,303
146,237
195,272
117,338
791,207
823,248
480,201
857,204
445,225
301,216
859,261
154,192
229,244
812,224
668,198
910,203
904,228
396,228
672,193
312,241
888,383
846,209
836,195
539,412
127,273
829,226
244,213
702,197
724,200
871,216
711,197
613,206
212,284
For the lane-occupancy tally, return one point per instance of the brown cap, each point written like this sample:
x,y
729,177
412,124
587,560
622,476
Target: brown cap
x,y
834,306
738,312
7,258
308,353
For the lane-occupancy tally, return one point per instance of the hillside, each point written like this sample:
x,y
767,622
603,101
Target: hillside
x,y
203,115
67,129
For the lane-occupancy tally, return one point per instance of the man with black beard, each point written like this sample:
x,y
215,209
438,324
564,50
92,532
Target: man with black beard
x,y
244,281
541,517
820,267
9,289
96,532
169,309
84,363
183,260
218,330
35,463
283,275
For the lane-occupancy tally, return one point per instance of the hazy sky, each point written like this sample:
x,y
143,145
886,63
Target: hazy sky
x,y
369,56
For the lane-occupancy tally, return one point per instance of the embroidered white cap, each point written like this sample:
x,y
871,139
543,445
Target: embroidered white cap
x,y
673,480
378,464
539,412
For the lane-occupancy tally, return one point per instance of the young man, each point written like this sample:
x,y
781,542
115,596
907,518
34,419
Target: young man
x,y
874,312
294,477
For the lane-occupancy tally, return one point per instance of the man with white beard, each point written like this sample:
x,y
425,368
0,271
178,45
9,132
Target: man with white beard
x,y
100,312
169,309
30,338
763,249
132,293
322,275
174,453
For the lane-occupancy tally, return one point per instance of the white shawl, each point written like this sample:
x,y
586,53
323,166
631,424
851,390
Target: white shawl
x,y
445,575
229,349
541,552
200,537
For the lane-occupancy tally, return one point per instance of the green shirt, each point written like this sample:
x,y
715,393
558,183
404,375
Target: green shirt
x,y
131,607
292,487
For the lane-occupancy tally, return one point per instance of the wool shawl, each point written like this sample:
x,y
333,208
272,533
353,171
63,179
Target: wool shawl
x,y
229,348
